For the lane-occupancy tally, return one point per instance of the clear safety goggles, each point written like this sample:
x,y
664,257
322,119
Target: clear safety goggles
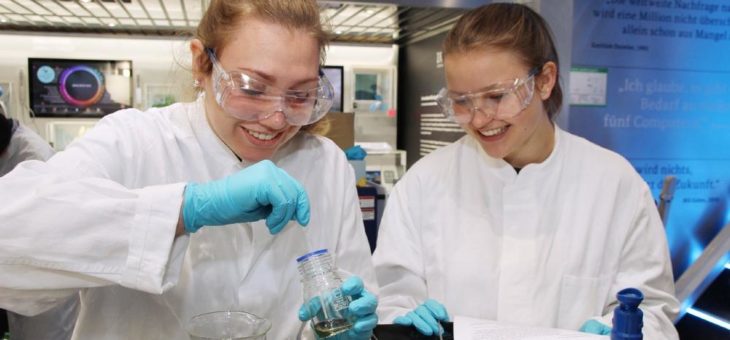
x,y
247,98
501,100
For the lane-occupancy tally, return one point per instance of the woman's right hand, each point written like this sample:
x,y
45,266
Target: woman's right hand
x,y
261,191
426,318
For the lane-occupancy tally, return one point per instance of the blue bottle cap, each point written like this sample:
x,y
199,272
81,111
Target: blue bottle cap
x,y
628,317
630,298
311,254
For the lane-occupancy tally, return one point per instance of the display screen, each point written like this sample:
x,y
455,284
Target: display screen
x,y
335,75
79,88
366,87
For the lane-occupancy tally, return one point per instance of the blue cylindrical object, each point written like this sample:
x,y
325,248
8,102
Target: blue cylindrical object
x,y
627,317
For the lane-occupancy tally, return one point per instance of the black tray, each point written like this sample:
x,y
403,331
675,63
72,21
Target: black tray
x,y
398,332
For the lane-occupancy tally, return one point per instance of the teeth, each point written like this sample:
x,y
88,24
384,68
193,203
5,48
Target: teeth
x,y
492,132
261,135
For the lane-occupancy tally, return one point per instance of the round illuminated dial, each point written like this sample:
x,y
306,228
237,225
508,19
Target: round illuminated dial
x,y
46,74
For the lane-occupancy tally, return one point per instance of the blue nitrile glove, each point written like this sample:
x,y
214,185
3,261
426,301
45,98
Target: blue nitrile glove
x,y
260,191
425,318
595,327
361,312
355,153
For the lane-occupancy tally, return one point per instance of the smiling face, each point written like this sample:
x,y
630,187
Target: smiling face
x,y
284,58
519,140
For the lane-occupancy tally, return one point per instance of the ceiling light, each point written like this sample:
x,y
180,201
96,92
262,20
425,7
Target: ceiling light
x,y
111,24
338,32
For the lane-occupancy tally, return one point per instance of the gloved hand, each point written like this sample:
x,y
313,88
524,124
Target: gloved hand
x,y
361,311
355,153
595,327
260,191
425,318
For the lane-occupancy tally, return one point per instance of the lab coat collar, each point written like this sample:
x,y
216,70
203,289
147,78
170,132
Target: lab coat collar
x,y
551,161
215,149
499,166
530,172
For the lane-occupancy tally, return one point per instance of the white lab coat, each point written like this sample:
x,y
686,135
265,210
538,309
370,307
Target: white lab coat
x,y
548,247
101,217
57,323
24,145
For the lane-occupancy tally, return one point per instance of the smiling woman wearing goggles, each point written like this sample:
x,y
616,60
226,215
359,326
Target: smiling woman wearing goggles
x,y
244,97
518,194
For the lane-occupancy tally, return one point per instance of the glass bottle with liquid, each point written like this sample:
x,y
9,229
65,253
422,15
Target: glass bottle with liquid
x,y
323,294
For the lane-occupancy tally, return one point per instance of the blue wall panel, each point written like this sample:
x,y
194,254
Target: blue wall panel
x,y
667,103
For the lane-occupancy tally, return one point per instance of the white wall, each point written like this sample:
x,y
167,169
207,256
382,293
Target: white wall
x,y
360,57
370,126
155,61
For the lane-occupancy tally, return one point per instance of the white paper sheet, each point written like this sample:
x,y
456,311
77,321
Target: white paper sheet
x,y
477,329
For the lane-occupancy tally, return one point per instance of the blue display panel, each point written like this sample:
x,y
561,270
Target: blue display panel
x,y
666,66
78,88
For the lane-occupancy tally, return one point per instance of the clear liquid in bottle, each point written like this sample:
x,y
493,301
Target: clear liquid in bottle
x,y
328,328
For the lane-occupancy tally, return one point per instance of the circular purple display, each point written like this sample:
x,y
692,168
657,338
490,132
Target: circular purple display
x,y
81,85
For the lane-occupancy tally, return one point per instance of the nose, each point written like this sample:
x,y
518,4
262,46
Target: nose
x,y
275,121
480,118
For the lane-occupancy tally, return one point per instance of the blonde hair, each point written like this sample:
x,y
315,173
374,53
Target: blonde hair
x,y
223,17
320,127
511,27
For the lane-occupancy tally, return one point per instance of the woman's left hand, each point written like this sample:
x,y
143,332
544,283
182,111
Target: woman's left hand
x,y
360,312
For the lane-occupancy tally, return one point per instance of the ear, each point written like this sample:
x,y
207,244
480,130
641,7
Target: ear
x,y
545,80
200,60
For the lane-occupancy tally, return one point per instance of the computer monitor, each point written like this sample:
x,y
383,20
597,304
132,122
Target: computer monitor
x,y
335,74
79,88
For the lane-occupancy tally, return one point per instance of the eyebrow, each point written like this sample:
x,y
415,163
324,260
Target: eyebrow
x,y
532,72
484,89
269,78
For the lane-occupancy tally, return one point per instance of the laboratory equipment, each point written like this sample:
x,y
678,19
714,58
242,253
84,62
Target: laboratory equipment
x,y
385,167
229,325
244,97
372,203
400,332
323,294
628,317
501,100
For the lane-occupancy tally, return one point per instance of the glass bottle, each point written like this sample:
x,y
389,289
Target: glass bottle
x,y
323,294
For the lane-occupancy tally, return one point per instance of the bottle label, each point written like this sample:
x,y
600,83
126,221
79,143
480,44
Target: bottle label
x,y
339,301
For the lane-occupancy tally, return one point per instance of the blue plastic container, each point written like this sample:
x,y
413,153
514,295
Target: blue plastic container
x,y
628,317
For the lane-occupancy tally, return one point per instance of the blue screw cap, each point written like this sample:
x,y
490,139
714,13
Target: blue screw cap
x,y
628,317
